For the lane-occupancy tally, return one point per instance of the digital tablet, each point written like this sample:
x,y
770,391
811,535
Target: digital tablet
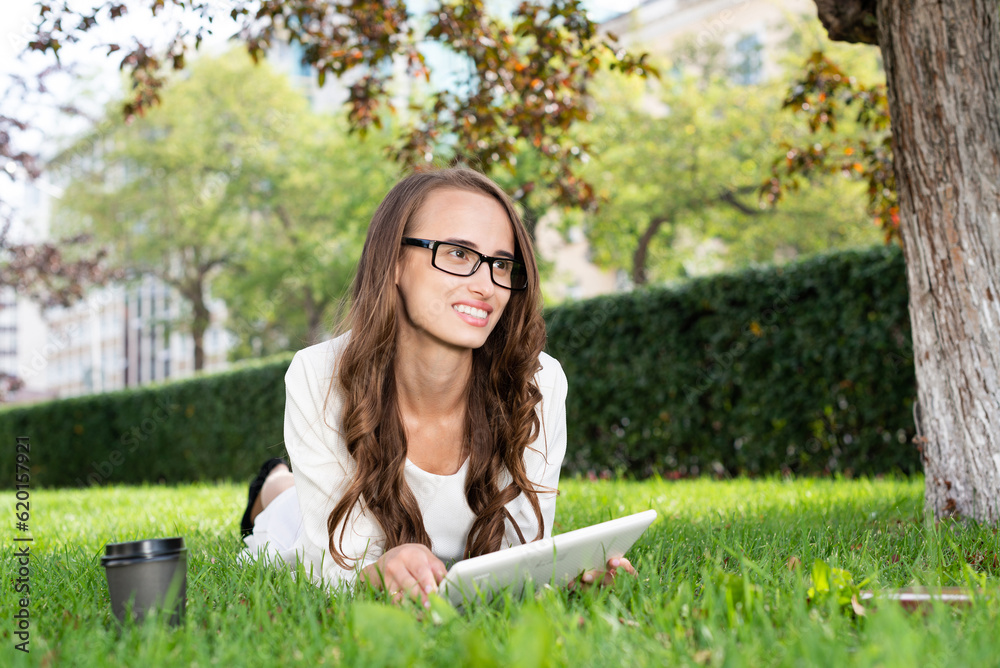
x,y
555,560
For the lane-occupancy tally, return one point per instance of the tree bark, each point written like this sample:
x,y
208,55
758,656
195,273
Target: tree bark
x,y
193,287
849,20
199,324
641,255
942,61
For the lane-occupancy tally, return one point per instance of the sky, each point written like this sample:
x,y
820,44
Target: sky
x,y
18,15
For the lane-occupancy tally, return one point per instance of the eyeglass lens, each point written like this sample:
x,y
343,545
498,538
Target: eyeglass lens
x,y
463,262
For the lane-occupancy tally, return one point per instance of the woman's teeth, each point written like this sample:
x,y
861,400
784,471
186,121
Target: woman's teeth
x,y
468,310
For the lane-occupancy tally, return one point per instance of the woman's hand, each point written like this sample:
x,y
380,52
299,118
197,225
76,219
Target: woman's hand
x,y
406,571
605,577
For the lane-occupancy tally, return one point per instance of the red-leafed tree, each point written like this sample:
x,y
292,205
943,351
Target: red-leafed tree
x,y
942,63
44,273
526,82
52,273
828,97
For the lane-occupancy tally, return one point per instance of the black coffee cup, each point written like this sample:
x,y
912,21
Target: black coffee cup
x,y
150,573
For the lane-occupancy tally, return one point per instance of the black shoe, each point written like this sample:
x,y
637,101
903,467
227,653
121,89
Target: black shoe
x,y
246,525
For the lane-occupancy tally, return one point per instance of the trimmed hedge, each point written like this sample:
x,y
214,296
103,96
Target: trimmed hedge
x,y
208,427
806,368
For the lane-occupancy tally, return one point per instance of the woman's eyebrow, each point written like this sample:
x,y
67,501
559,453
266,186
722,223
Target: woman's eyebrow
x,y
475,247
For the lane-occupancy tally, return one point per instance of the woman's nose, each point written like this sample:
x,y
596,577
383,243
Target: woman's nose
x,y
482,281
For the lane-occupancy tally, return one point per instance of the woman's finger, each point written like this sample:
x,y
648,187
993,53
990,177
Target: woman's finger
x,y
585,579
404,586
427,570
439,570
415,592
418,568
614,563
425,583
398,590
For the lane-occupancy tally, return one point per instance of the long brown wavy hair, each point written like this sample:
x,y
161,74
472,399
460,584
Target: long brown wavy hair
x,y
500,418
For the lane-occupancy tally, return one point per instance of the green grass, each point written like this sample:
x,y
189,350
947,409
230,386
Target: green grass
x,y
715,587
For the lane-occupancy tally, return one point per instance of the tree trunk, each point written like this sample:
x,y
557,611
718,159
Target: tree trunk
x,y
201,318
942,61
641,256
314,317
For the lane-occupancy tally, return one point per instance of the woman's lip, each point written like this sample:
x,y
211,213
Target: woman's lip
x,y
483,306
473,320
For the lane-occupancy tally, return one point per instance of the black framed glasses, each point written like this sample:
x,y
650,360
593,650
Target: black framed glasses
x,y
460,260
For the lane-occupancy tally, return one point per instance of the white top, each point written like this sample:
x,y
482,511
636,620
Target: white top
x,y
323,469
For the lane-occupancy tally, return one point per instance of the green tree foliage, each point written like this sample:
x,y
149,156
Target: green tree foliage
x,y
679,165
288,288
528,75
232,174
525,83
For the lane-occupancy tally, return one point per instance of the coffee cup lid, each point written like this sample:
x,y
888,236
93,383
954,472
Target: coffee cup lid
x,y
151,547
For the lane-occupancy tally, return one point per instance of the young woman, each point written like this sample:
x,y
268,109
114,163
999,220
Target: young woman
x,y
434,429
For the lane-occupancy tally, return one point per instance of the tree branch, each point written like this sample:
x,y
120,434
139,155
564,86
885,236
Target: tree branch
x,y
729,197
208,265
639,258
849,20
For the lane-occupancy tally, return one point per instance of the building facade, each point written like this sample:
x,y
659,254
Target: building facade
x,y
119,336
126,336
749,31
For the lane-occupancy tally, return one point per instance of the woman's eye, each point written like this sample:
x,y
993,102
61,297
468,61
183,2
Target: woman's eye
x,y
501,265
458,253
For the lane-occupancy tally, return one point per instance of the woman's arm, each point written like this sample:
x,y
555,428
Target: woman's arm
x,y
543,458
553,438
322,467
554,387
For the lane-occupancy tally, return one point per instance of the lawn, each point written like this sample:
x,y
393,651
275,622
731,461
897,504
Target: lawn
x,y
724,578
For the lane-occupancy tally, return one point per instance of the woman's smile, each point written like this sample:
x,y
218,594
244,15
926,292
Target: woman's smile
x,y
476,314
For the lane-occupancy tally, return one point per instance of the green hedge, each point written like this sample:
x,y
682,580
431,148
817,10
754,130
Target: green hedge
x,y
806,368
208,427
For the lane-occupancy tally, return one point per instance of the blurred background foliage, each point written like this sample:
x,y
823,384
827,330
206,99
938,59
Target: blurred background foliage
x,y
234,188
680,162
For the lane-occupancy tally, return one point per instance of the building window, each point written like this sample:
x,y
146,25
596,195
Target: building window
x,y
748,63
297,56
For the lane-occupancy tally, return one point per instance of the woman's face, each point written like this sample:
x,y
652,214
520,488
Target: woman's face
x,y
448,309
